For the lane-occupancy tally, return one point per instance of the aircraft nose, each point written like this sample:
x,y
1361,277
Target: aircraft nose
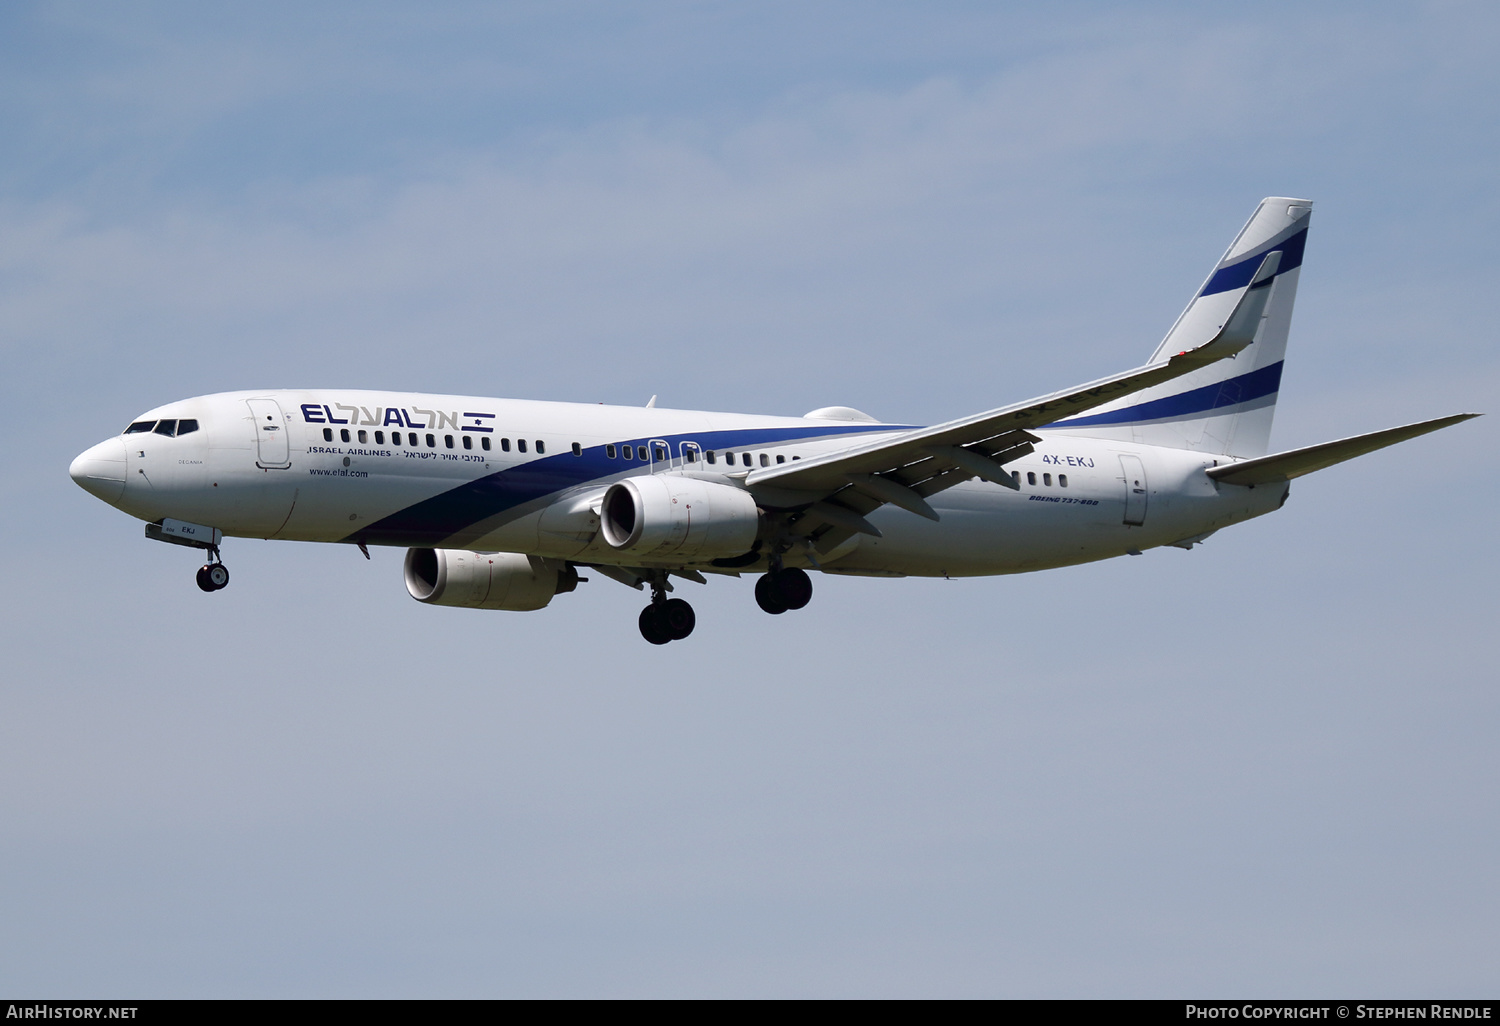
x,y
100,471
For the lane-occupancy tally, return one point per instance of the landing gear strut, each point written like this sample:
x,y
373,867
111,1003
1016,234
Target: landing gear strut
x,y
666,619
213,576
780,589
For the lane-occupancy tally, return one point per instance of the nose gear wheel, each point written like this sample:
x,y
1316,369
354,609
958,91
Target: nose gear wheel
x,y
213,576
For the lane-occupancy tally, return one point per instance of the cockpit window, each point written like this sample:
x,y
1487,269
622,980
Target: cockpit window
x,y
140,427
166,427
185,427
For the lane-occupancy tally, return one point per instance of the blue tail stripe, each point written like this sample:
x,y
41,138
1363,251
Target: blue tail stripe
x,y
1247,387
1237,276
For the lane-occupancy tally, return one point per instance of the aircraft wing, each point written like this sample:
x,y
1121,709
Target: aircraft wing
x,y
833,492
1283,466
838,488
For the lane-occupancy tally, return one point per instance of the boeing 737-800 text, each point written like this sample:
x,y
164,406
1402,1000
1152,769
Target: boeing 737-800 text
x,y
500,502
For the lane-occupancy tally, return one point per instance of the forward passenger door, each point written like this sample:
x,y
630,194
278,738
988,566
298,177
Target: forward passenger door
x,y
273,451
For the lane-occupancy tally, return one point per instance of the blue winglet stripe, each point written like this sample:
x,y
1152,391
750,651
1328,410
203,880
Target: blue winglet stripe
x,y
1238,275
1257,384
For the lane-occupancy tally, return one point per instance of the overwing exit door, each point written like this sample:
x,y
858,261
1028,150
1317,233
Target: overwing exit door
x,y
661,454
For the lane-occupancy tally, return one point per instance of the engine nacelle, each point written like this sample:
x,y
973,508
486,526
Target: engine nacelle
x,y
656,515
484,580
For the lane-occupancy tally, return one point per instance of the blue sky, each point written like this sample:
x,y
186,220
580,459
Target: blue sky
x,y
1262,767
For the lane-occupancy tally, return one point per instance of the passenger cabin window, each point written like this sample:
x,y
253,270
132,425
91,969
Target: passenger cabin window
x,y
710,456
411,438
344,434
505,445
1062,480
661,453
166,427
363,437
780,458
395,438
540,448
1031,477
689,454
468,441
447,441
610,451
745,458
1047,480
380,438
729,458
328,434
186,427
629,453
520,445
140,427
640,452
484,443
431,441
577,449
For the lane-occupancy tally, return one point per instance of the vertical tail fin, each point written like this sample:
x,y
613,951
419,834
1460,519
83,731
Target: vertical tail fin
x,y
1227,407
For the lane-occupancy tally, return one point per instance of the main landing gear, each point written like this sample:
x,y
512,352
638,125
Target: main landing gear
x,y
213,576
780,589
672,619
666,619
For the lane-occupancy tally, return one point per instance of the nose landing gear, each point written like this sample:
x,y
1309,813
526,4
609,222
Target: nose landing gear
x,y
212,575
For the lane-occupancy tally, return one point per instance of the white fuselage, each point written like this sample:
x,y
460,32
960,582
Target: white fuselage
x,y
323,466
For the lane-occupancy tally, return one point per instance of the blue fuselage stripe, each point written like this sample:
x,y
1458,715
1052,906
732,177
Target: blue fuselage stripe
x,y
431,521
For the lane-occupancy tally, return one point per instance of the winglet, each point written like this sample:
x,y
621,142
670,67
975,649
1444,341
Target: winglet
x,y
1240,327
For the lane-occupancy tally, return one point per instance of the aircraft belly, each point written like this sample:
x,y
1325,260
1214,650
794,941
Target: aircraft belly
x,y
1012,538
986,529
518,535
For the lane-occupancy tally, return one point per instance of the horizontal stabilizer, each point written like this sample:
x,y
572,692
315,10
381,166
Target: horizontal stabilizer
x,y
1283,466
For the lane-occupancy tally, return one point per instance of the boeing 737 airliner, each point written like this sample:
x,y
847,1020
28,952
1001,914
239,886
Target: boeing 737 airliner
x,y
500,502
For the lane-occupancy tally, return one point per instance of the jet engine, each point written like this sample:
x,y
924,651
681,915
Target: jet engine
x,y
485,580
659,515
